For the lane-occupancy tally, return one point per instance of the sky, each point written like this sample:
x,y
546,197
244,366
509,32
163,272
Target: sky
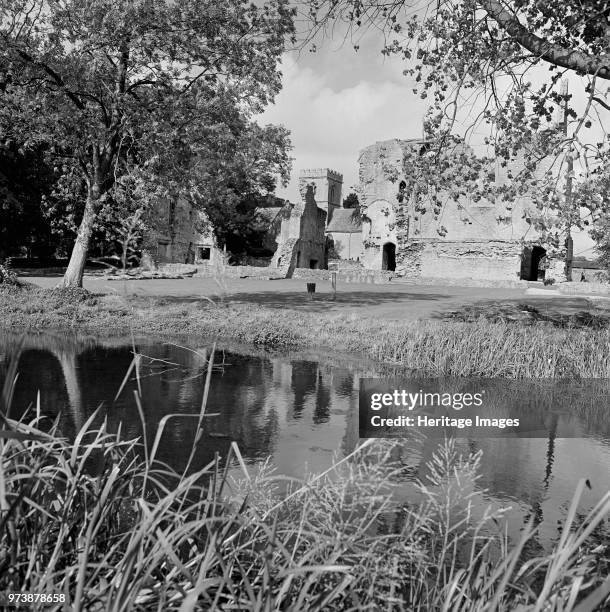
x,y
337,101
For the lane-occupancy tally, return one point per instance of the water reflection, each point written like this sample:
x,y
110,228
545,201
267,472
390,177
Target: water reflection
x,y
295,410
298,410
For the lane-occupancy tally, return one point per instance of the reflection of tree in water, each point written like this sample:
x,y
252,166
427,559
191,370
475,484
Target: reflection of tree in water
x,y
533,546
321,412
303,383
41,371
76,377
550,452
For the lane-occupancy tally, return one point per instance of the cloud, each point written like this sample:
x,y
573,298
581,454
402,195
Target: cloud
x,y
331,120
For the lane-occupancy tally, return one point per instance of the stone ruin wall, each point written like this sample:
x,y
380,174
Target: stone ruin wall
x,y
179,229
491,260
302,237
298,232
377,196
483,240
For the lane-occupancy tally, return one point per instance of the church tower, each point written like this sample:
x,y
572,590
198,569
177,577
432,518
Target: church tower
x,y
328,184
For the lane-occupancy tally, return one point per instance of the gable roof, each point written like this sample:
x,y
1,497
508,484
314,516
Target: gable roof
x,y
345,221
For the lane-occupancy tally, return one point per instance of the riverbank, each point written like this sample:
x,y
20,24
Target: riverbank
x,y
501,347
133,534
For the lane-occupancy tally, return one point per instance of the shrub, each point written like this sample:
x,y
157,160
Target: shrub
x,y
7,276
92,520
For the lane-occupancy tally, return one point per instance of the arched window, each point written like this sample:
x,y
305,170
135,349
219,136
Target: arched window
x,y
171,213
401,190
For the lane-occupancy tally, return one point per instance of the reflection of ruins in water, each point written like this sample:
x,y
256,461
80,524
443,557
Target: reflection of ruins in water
x,y
296,410
299,410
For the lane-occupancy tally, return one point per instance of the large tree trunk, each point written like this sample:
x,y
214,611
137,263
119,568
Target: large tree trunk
x,y
76,267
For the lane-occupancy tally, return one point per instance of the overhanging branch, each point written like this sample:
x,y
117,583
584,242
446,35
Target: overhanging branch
x,y
553,53
54,75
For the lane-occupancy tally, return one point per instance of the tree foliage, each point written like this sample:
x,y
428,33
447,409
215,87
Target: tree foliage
x,y
496,67
25,179
351,201
236,184
118,86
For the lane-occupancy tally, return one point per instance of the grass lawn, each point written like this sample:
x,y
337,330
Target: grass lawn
x,y
513,344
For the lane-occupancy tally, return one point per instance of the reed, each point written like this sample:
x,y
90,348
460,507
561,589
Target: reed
x,y
101,521
445,348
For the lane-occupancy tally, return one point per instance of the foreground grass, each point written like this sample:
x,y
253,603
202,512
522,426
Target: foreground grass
x,y
91,521
478,347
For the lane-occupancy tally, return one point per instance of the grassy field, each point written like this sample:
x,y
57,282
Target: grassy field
x,y
475,347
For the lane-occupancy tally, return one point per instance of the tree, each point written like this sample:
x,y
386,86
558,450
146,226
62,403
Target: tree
x,y
25,179
126,218
236,183
596,194
351,201
500,64
115,85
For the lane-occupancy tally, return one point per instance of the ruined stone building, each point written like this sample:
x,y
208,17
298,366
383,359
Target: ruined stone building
x,y
468,239
295,234
301,237
181,234
386,237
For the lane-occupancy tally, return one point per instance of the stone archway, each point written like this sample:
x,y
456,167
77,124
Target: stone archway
x,y
388,261
532,263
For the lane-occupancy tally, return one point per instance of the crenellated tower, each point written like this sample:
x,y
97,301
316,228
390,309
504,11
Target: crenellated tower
x,y
327,187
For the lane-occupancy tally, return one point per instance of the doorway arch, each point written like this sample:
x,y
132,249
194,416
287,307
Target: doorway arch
x,y
532,263
388,261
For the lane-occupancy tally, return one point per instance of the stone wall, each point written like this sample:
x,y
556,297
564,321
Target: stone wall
x,y
285,257
182,234
360,276
379,175
592,275
344,264
588,288
211,271
477,260
347,245
465,239
177,268
302,238
312,241
471,259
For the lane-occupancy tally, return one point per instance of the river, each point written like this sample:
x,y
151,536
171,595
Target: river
x,y
299,409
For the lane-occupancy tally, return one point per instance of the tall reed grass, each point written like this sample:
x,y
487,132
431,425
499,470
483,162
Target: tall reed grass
x,y
445,348
101,521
